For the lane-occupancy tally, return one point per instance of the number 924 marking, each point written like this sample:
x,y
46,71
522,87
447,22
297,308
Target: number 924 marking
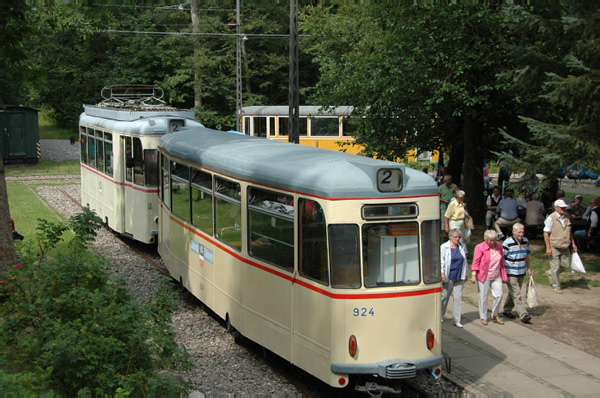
x,y
363,312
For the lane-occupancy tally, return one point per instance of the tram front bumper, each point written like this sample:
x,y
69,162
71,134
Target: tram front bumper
x,y
391,369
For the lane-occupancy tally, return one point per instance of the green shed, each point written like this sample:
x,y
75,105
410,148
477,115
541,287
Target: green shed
x,y
19,133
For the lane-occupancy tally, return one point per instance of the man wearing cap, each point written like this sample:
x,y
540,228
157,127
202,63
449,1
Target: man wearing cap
x,y
558,238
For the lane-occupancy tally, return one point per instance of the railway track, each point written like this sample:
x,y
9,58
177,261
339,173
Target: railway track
x,y
44,177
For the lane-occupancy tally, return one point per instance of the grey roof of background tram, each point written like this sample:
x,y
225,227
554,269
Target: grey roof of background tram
x,y
134,113
144,122
293,167
304,110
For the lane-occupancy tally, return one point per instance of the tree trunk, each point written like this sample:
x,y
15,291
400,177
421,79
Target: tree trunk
x,y
473,170
7,250
455,161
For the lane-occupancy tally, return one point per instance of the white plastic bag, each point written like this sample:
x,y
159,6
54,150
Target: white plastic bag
x,y
576,264
532,299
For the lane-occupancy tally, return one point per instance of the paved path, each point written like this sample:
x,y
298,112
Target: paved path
x,y
512,360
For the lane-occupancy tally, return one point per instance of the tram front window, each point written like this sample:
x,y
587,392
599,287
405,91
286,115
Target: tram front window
x,y
344,251
391,255
313,241
138,162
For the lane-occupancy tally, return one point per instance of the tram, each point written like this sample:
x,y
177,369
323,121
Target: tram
x,y
119,158
328,259
321,127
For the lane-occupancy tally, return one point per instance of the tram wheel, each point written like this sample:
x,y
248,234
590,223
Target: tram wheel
x,y
231,330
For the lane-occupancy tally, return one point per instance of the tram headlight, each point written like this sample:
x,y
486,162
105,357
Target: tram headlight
x,y
430,339
352,346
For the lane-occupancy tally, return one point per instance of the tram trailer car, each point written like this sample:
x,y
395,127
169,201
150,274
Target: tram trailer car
x,y
119,164
328,259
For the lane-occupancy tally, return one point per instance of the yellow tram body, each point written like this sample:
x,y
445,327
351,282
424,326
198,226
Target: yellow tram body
x,y
328,259
320,126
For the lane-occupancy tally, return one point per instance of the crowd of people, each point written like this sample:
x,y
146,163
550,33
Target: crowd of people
x,y
566,227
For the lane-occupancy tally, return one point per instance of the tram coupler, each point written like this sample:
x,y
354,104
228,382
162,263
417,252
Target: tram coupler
x,y
376,390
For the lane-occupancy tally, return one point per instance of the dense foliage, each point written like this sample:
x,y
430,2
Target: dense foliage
x,y
71,52
69,328
563,67
423,77
428,76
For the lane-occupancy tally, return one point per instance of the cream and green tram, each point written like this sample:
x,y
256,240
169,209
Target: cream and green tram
x,y
119,164
328,259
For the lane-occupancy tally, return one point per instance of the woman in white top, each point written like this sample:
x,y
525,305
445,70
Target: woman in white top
x,y
453,255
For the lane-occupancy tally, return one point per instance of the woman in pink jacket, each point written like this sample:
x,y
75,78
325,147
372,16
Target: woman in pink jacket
x,y
489,272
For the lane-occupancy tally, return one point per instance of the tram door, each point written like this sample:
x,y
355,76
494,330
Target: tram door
x,y
312,308
128,181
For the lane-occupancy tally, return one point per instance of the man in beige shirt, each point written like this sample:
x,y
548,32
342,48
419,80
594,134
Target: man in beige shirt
x,y
558,237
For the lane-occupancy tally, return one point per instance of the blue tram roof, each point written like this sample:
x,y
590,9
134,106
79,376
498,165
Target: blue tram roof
x,y
294,167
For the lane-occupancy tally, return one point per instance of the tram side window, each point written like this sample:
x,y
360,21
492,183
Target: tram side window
x,y
151,167
165,191
284,126
108,154
92,149
430,236
202,210
312,252
247,121
83,146
349,126
180,190
99,151
324,126
391,254
260,126
303,129
138,162
129,159
271,226
228,212
344,249
272,127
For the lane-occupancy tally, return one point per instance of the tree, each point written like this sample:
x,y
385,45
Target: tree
x,y
564,122
422,77
7,250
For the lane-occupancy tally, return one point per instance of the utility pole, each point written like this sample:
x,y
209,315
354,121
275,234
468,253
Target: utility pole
x,y
238,69
294,100
196,29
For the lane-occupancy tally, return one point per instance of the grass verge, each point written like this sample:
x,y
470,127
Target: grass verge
x,y
44,167
26,207
49,131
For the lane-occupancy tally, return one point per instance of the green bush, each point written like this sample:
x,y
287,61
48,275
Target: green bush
x,y
69,329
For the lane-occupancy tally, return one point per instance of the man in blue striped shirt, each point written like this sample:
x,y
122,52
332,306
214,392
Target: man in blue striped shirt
x,y
516,261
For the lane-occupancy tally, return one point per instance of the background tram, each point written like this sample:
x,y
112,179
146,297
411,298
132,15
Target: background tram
x,y
321,127
328,259
119,159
